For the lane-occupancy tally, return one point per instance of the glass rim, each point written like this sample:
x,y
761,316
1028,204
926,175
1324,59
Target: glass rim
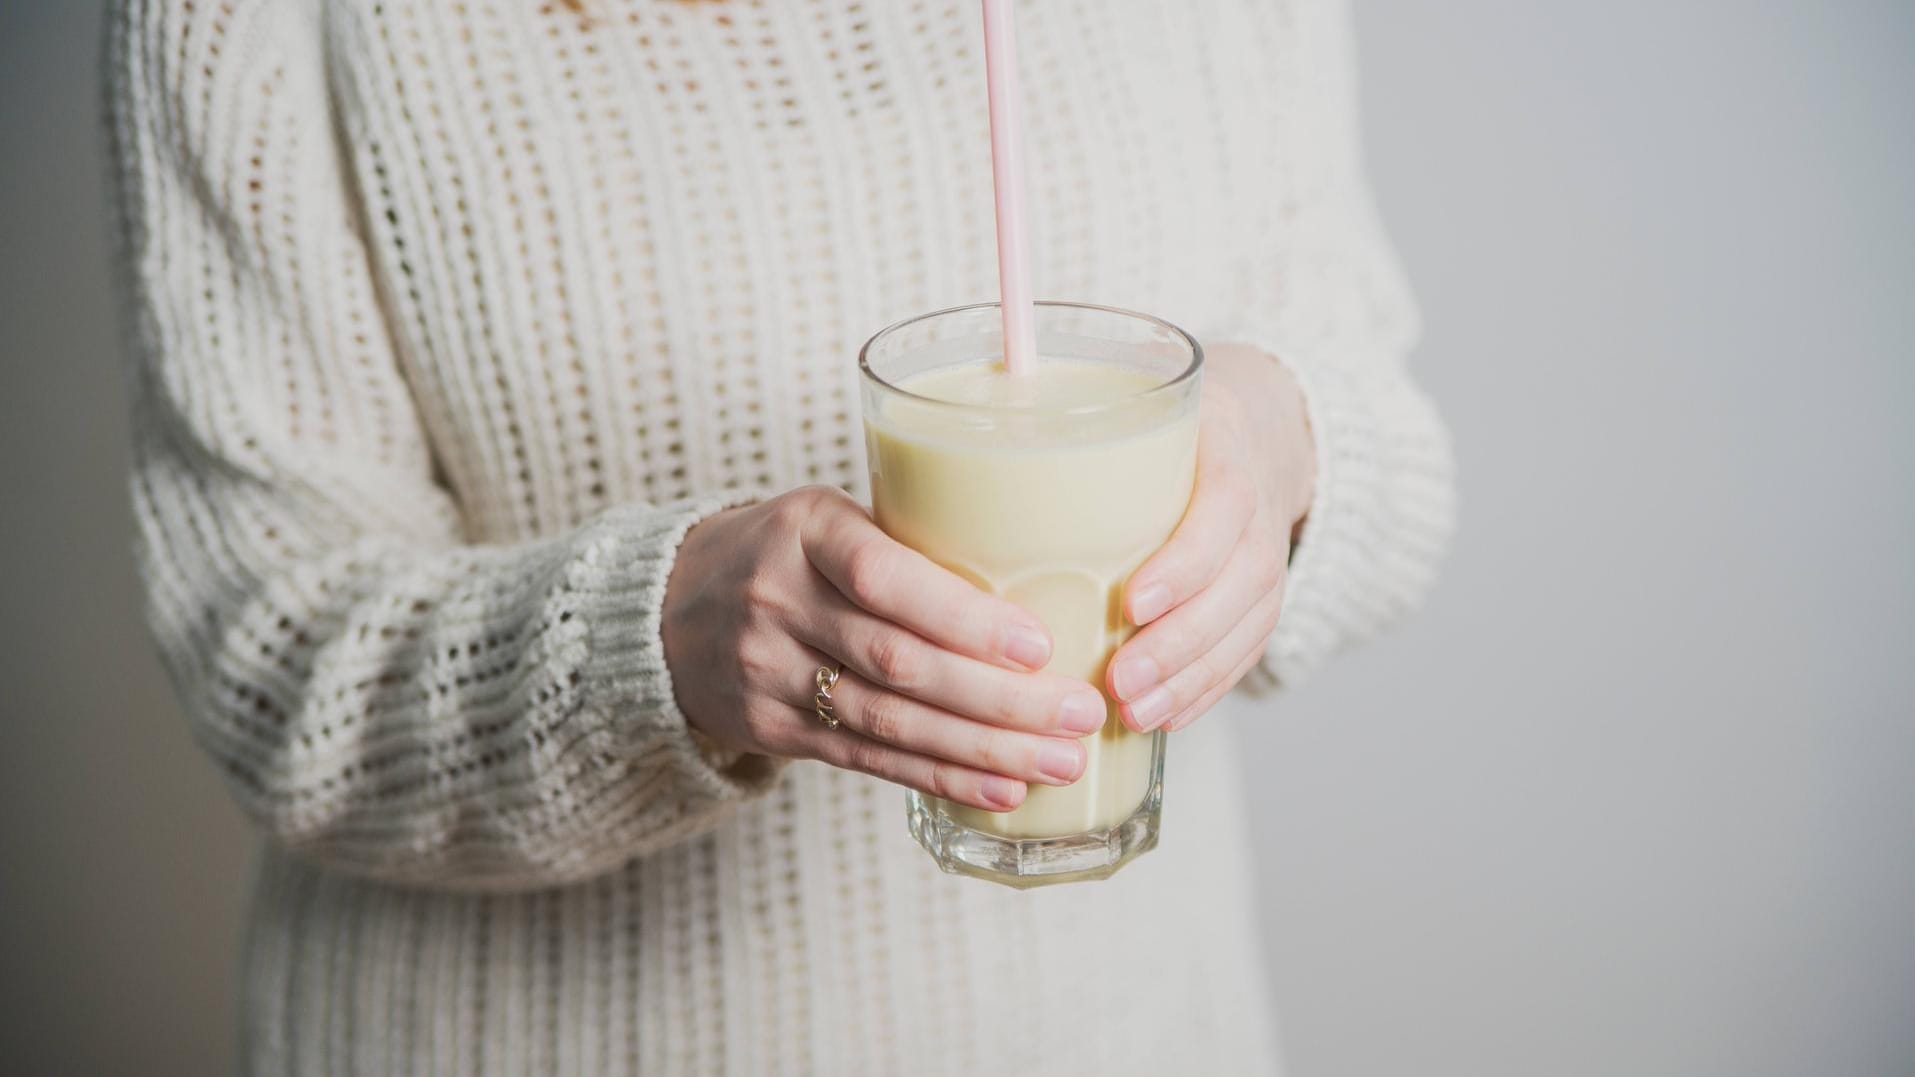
x,y
1187,374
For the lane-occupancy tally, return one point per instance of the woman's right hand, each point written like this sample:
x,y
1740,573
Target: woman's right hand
x,y
941,688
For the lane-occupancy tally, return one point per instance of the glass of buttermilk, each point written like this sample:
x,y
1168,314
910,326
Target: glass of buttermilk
x,y
1048,489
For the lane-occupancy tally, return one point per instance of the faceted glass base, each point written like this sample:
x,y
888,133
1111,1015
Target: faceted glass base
x,y
1029,862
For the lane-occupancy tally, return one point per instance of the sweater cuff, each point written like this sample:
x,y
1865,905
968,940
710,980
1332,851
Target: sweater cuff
x,y
618,585
1379,522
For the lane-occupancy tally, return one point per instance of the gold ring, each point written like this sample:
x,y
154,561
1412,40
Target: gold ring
x,y
827,679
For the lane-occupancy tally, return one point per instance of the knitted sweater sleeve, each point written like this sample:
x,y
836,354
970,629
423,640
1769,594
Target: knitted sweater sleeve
x,y
1343,321
382,695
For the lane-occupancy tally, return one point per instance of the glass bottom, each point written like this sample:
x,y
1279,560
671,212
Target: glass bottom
x,y
1024,863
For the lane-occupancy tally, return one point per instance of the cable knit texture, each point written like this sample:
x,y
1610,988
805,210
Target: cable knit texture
x,y
452,318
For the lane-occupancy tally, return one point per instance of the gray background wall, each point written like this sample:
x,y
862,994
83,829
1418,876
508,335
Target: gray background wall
x,y
1635,795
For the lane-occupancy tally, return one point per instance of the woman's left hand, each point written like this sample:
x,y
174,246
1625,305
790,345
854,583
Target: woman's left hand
x,y
1209,599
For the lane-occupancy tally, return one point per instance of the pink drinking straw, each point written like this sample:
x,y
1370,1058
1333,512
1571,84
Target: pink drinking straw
x,y
1007,176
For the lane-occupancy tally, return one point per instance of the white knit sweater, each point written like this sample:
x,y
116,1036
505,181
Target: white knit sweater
x,y
452,316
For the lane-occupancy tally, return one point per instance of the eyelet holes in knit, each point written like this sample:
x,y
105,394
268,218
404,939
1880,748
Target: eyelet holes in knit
x,y
638,217
498,326
769,870
582,90
490,681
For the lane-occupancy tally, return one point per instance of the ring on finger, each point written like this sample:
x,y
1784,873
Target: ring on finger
x,y
826,679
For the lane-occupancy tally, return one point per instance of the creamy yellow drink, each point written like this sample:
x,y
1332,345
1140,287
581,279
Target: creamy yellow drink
x,y
1048,489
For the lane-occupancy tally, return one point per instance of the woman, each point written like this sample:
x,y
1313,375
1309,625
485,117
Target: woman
x,y
494,379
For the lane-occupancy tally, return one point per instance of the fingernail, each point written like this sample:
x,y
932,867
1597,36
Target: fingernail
x,y
1134,674
1145,713
1082,712
1149,603
1028,647
1004,792
1060,760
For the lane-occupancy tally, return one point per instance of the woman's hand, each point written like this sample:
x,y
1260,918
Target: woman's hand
x,y
1209,599
939,691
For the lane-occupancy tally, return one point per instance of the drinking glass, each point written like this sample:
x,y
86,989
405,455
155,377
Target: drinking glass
x,y
1048,490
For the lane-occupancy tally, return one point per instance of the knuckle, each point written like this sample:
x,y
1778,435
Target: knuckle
x,y
794,511
1008,705
763,596
868,568
1242,668
896,660
998,751
1262,624
1270,567
945,781
820,495
772,732
884,717
869,757
1270,614
1208,671
788,512
757,659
